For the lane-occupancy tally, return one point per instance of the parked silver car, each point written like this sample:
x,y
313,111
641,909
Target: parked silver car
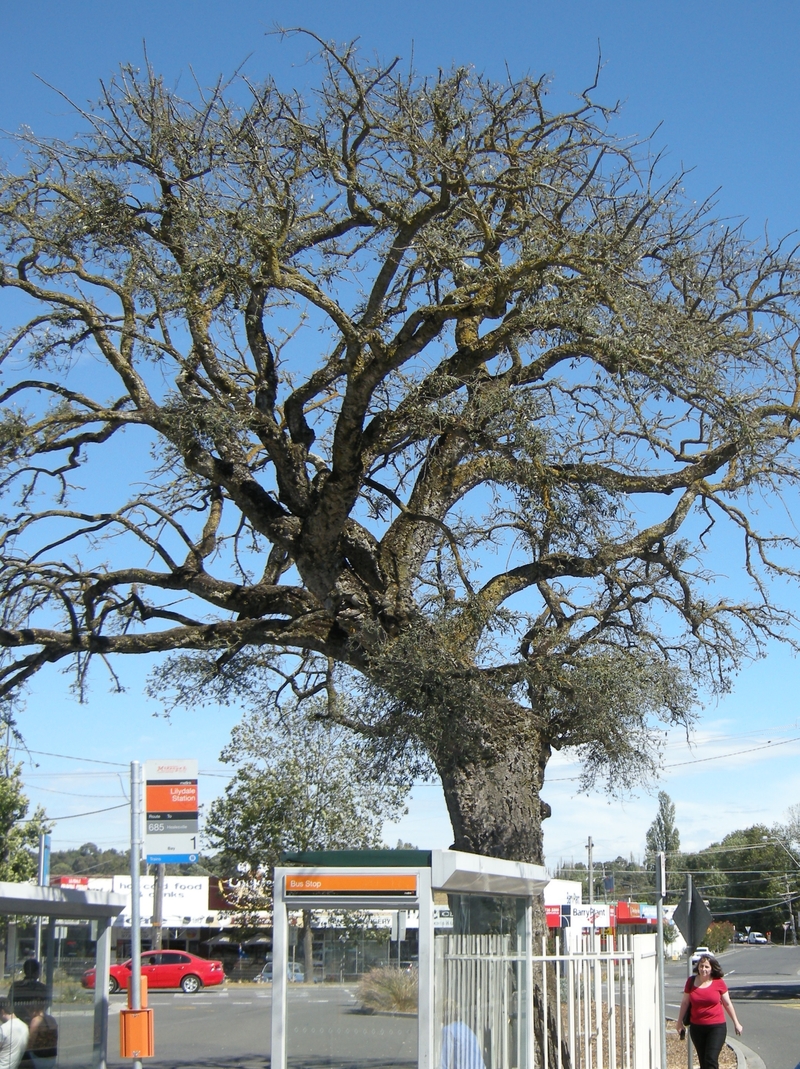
x,y
294,974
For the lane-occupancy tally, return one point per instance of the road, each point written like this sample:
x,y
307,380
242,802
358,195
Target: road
x,y
230,1029
764,983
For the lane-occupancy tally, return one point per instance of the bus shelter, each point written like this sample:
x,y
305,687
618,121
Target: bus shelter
x,y
473,970
83,1036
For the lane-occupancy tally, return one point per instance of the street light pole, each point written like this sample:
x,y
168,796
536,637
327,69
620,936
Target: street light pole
x,y
785,848
791,914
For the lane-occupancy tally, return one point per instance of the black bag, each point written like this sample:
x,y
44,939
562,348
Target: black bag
x,y
686,1016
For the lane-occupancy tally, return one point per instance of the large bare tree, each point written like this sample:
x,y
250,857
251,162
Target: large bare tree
x,y
410,387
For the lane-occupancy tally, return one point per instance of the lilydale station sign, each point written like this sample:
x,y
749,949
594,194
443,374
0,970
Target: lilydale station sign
x,y
171,828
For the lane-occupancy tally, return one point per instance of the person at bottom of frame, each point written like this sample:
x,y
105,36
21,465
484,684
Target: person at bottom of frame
x,y
13,1036
706,1000
24,994
42,1049
460,1046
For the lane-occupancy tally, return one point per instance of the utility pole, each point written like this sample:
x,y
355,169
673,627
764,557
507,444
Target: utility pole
x,y
786,850
589,846
789,907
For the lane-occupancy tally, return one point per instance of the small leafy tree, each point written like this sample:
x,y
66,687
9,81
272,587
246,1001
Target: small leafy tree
x,y
19,834
303,784
719,936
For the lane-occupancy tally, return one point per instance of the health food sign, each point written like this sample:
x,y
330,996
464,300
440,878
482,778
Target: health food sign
x,y
171,812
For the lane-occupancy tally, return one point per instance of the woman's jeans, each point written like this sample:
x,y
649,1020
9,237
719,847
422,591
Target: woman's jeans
x,y
708,1041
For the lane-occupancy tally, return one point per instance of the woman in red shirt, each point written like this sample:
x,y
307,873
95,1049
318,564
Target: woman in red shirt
x,y
707,1000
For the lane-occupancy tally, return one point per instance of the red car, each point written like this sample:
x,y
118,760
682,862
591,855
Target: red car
x,y
165,968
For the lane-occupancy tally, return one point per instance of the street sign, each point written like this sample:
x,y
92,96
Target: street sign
x,y
171,812
661,874
692,917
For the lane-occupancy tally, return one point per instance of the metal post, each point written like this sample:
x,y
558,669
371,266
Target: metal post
x,y
102,964
42,879
661,882
789,907
280,958
589,846
50,960
136,924
425,1004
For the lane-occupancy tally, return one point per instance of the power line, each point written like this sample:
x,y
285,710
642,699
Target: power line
x,y
73,794
88,760
115,764
733,753
695,760
90,813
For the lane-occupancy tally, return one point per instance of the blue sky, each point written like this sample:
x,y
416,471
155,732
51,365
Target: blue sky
x,y
719,81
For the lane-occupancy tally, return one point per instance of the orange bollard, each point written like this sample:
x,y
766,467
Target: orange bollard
x,y
136,1039
142,994
136,1034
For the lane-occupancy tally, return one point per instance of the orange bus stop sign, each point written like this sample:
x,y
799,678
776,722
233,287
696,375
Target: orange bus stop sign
x,y
368,883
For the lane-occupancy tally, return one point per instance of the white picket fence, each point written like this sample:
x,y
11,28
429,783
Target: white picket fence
x,y
597,1007
601,1000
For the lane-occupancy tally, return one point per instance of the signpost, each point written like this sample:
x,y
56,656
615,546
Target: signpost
x,y
171,812
692,916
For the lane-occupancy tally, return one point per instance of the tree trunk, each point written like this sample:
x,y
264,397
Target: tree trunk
x,y
495,809
494,804
308,947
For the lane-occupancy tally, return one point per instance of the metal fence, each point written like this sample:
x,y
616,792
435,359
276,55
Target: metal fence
x,y
594,1002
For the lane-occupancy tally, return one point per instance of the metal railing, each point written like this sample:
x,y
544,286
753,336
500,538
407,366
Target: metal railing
x,y
594,1001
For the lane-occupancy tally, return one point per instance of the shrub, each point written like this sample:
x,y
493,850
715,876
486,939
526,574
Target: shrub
x,y
389,988
719,936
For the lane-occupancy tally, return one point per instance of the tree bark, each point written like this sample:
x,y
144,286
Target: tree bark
x,y
308,947
496,809
494,803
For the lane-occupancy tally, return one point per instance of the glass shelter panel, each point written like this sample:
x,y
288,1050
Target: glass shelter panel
x,y
481,985
45,992
361,1011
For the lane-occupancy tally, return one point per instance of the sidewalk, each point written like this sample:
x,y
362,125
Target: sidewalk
x,y
745,1056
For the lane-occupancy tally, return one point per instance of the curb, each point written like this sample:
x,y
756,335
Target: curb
x,y
745,1056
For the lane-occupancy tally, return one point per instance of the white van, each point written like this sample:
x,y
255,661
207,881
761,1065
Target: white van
x,y
756,937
